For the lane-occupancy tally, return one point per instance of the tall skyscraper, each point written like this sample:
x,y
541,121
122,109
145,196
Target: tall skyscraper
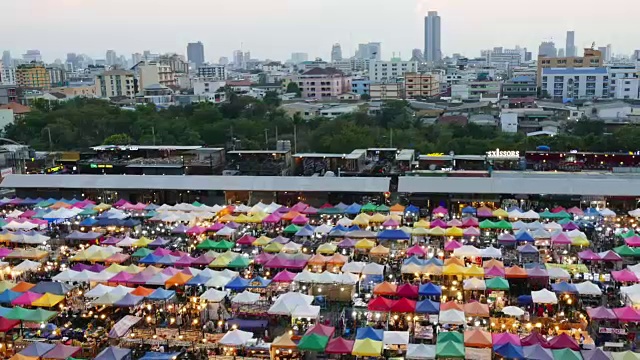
x,y
547,49
195,53
609,55
32,55
111,57
238,59
6,59
298,57
336,52
369,51
432,49
135,58
570,48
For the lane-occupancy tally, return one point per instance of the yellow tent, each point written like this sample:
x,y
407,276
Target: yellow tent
x,y
224,259
227,218
394,217
474,271
48,300
99,255
367,347
142,242
420,231
273,247
422,224
380,251
365,244
133,269
454,260
327,249
500,213
377,218
361,220
454,231
23,357
453,269
115,268
79,256
262,241
579,241
6,285
256,218
242,218
437,231
432,269
102,207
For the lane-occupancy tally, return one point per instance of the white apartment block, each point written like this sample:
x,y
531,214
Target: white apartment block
x,y
567,84
624,82
7,75
213,71
156,73
116,83
205,86
381,71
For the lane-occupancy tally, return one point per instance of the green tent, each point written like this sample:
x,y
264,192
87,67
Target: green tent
x,y
628,234
142,252
562,215
450,336
151,214
18,313
564,221
502,224
497,283
624,250
207,244
196,204
450,344
40,214
330,211
239,262
44,203
87,212
383,208
313,342
566,354
40,315
223,245
487,224
368,208
291,229
273,247
547,215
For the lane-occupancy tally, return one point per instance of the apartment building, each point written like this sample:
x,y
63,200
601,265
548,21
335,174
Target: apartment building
x,y
57,76
116,83
385,91
418,85
568,84
212,72
520,87
155,72
33,75
624,82
591,59
323,83
383,71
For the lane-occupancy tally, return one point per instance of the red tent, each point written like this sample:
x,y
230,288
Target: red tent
x,y
322,330
380,304
339,346
6,324
404,305
407,291
563,341
533,339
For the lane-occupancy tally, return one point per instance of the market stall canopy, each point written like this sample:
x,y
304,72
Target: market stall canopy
x,y
544,296
421,352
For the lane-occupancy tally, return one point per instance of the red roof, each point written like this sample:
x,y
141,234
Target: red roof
x,y
380,304
239,83
18,109
404,305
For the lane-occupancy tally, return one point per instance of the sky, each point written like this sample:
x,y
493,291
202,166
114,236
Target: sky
x,y
273,29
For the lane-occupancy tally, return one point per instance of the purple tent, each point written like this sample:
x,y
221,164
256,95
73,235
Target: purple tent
x,y
232,224
506,238
203,260
347,243
570,226
281,240
537,352
140,278
180,229
595,354
80,267
121,277
310,211
129,300
588,255
96,268
263,258
271,219
170,271
62,352
601,313
246,239
216,227
159,242
186,260
37,349
110,241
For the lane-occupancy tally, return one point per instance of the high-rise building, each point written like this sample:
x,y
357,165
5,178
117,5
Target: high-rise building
x,y
417,55
298,57
6,59
32,55
570,48
223,60
33,75
636,55
592,59
609,54
432,49
547,49
195,53
369,51
247,58
135,58
111,57
336,52
561,52
238,59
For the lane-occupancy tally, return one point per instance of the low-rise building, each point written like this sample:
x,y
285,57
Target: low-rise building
x,y
390,71
7,75
114,83
520,87
592,58
204,86
154,72
337,110
218,72
568,84
360,86
474,90
624,82
33,75
157,94
57,76
418,85
8,94
386,91
306,110
323,83
77,91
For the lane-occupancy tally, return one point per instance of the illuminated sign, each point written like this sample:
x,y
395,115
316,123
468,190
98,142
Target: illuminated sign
x,y
501,154
436,154
101,166
54,169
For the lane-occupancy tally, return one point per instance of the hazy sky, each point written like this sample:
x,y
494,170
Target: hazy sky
x,y
276,28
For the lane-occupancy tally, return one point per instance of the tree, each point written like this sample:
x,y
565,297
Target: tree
x,y
271,98
365,97
293,87
117,139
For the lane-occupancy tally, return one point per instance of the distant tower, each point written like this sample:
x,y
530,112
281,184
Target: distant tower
x,y
548,49
195,53
111,57
432,49
561,52
570,48
336,52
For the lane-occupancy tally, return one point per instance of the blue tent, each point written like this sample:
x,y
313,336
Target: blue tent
x,y
469,210
411,209
430,289
56,288
128,300
257,282
109,222
237,284
369,333
591,212
353,228
413,260
427,307
342,206
161,294
534,265
4,311
7,296
29,201
524,236
130,223
304,232
198,280
339,228
167,260
514,208
151,206
434,261
509,351
150,259
564,287
337,233
525,300
88,222
527,249
153,355
395,234
37,349
114,353
353,209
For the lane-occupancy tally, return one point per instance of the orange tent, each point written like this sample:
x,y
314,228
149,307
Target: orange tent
x,y
142,291
60,204
397,208
337,259
476,309
493,262
515,272
451,305
477,338
23,286
454,260
177,279
317,259
290,215
385,288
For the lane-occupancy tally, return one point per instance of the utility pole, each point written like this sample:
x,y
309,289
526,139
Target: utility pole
x,y
266,139
295,138
50,142
391,138
276,134
153,132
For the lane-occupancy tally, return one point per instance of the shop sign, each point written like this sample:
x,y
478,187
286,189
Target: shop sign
x,y
604,330
435,154
6,171
101,166
502,154
423,332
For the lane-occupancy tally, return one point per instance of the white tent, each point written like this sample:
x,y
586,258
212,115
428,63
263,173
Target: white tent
x,y
213,295
421,352
27,265
607,212
101,276
625,355
353,267
126,242
35,239
14,225
544,296
576,234
306,311
491,252
107,299
588,288
635,213
287,302
164,207
541,234
515,214
558,273
291,247
395,338
518,225
246,297
259,207
14,214
411,268
531,215
98,291
535,225
65,276
306,276
242,208
226,231
161,279
373,269
630,290
327,278
347,279
83,277
272,208
512,311
121,290
236,338
345,221
452,317
552,226
474,284
467,251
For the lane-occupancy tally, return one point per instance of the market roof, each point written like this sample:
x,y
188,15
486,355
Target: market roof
x,y
195,182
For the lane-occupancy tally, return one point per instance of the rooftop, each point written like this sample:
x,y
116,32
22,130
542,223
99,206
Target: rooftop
x,y
575,71
18,109
323,71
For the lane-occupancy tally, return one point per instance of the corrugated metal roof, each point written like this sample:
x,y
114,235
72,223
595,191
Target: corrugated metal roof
x,y
574,71
195,182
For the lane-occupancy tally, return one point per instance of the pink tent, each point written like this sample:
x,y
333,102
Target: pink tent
x,y
575,211
454,222
196,230
246,239
299,207
129,206
484,212
588,255
186,260
120,203
390,223
110,241
494,271
178,253
452,245
610,256
505,338
633,241
284,276
161,252
440,211
215,227
121,277
233,225
263,258
471,231
470,222
5,251
558,209
601,313
407,291
203,260
271,219
563,341
560,239
300,220
26,298
27,214
624,275
416,250
170,271
310,211
439,223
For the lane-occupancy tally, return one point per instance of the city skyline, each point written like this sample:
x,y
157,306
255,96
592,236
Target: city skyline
x,y
397,25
